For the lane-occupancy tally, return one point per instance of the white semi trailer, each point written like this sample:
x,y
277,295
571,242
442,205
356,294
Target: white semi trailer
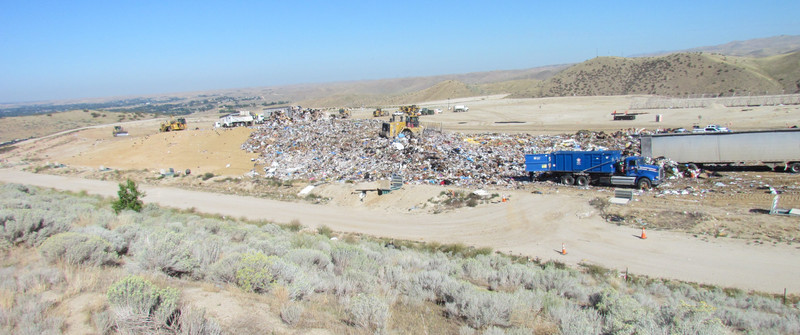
x,y
773,148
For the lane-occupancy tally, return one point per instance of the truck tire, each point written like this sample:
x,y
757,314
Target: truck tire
x,y
644,184
794,168
582,180
567,179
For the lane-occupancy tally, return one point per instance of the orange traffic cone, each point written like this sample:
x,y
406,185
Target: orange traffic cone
x,y
644,235
563,249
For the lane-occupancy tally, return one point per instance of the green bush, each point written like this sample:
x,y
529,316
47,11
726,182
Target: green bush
x,y
78,249
254,272
138,306
128,198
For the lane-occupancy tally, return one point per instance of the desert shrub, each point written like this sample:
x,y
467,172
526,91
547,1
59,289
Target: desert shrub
x,y
309,258
224,270
78,249
118,243
204,253
29,315
128,198
194,322
254,273
292,313
620,311
32,278
167,252
325,231
369,312
481,309
139,306
294,226
345,256
688,318
575,320
206,176
306,241
31,227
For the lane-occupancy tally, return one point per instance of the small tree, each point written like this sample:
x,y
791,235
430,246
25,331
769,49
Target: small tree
x,y
128,198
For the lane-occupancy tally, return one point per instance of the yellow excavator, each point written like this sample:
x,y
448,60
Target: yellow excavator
x,y
173,125
405,125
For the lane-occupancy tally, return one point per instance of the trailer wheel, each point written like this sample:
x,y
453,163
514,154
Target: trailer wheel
x,y
567,179
582,181
794,168
644,184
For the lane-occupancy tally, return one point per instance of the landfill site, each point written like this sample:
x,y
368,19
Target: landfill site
x,y
462,178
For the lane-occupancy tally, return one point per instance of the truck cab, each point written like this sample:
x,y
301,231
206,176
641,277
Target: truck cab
x,y
639,173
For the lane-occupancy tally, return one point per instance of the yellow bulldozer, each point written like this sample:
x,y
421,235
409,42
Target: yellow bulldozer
x,y
405,125
380,112
412,110
344,113
173,125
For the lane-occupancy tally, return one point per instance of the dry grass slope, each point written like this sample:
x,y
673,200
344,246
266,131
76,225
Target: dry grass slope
x,y
674,75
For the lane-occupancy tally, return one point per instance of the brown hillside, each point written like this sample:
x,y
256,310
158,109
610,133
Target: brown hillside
x,y
784,68
46,124
673,75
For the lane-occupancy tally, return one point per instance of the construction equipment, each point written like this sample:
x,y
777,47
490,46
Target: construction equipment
x,y
408,126
584,167
119,131
344,113
173,125
412,110
380,112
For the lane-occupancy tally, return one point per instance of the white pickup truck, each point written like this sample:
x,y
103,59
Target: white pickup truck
x,y
712,128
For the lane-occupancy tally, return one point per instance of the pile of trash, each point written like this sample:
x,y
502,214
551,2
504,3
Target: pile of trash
x,y
323,149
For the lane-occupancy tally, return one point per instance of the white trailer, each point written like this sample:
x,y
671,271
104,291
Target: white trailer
x,y
460,108
772,148
240,119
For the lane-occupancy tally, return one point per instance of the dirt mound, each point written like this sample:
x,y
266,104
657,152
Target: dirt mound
x,y
201,151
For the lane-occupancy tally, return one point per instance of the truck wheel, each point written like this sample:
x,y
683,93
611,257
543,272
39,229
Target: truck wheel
x,y
644,184
794,168
692,166
582,181
567,179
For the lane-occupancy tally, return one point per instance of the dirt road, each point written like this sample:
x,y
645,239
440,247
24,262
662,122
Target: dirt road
x,y
531,224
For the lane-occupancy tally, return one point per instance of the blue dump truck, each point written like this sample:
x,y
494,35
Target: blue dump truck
x,y
593,167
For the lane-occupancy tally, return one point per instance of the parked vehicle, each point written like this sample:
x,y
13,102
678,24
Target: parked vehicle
x,y
239,119
712,128
772,148
460,108
599,167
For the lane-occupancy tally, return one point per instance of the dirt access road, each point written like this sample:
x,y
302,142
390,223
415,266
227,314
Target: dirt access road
x,y
531,224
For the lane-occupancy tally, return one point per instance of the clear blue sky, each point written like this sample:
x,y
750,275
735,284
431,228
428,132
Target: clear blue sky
x,y
77,49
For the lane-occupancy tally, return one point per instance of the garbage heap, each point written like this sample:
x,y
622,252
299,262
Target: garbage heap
x,y
324,149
